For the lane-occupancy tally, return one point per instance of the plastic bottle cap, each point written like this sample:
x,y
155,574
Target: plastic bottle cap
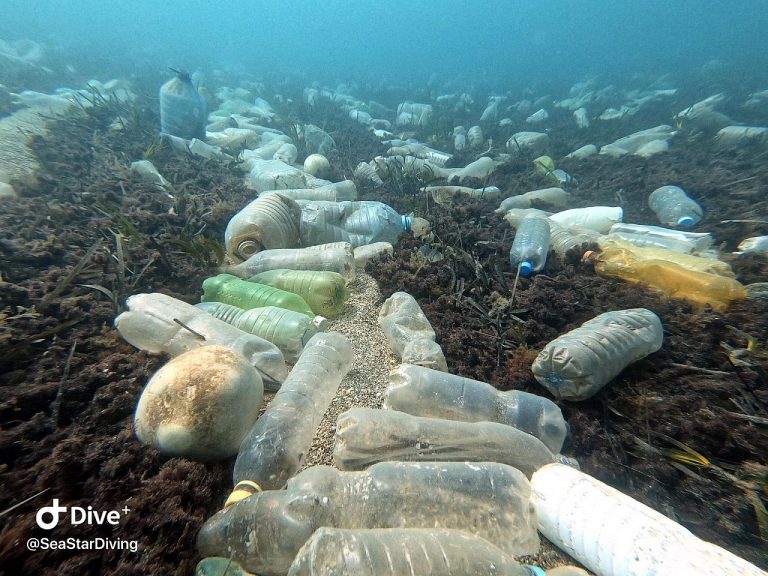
x,y
406,222
685,221
526,268
535,570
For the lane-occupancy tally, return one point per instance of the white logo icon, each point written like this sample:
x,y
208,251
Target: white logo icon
x,y
52,511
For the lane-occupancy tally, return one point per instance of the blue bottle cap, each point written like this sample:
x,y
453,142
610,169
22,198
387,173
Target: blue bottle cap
x,y
406,222
535,570
526,268
685,221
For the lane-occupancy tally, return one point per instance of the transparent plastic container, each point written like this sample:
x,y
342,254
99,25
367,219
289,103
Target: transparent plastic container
x,y
687,261
276,446
182,109
365,253
613,534
699,288
358,223
286,329
656,237
424,392
556,197
324,291
271,221
399,551
365,436
338,258
673,207
563,239
530,246
576,365
265,531
596,218
335,192
407,330
246,295
159,323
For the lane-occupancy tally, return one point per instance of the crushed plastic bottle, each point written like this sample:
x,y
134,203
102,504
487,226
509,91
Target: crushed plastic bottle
x,y
159,323
265,531
687,261
334,192
246,295
409,332
424,392
324,291
366,436
286,329
656,237
338,257
182,109
276,446
269,222
399,551
596,218
673,207
530,246
576,365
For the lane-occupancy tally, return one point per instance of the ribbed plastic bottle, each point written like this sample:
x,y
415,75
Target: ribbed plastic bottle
x,y
339,259
409,332
612,533
562,239
656,237
358,223
271,221
673,207
286,329
399,551
576,365
246,295
424,392
530,246
182,109
365,253
159,323
276,446
324,291
265,531
366,436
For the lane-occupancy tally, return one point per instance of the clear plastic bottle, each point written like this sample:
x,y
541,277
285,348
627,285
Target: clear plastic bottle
x,y
656,237
365,436
246,295
596,218
358,223
424,392
562,239
339,259
276,446
182,109
612,533
365,253
324,291
334,192
271,221
576,365
286,329
399,551
159,323
265,531
530,246
407,330
673,207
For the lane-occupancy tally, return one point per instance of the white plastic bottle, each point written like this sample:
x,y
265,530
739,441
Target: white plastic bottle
x,y
358,223
339,258
596,218
673,207
530,246
613,534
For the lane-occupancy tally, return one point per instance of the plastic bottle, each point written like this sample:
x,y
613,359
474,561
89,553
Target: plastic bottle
x,y
556,197
530,246
656,237
424,392
563,239
673,207
182,109
246,295
324,291
687,261
365,436
596,218
408,330
613,534
276,446
358,223
365,253
159,323
286,329
339,259
271,221
335,192
399,551
265,531
698,288
576,365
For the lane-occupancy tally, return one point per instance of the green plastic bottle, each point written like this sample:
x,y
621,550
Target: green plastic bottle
x,y
324,291
246,295
286,329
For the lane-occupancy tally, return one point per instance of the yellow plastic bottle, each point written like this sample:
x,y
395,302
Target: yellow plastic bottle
x,y
688,261
699,288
